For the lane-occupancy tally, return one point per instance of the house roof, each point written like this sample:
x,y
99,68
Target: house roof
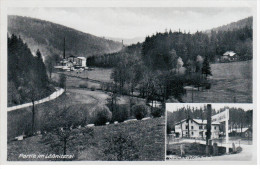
x,y
72,56
199,121
82,58
229,53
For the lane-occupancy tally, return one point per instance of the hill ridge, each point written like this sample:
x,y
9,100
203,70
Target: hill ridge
x,y
48,37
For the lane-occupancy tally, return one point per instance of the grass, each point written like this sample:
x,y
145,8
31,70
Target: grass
x,y
81,100
148,137
231,82
99,74
74,82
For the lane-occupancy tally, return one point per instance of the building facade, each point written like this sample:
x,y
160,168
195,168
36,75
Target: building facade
x,y
196,128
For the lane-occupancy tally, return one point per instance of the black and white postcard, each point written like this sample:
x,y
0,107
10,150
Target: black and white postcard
x,y
95,82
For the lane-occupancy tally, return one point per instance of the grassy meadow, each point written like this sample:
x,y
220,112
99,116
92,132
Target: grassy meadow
x,y
147,136
231,82
99,74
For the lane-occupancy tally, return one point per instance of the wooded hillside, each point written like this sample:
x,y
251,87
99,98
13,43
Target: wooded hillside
x,y
49,38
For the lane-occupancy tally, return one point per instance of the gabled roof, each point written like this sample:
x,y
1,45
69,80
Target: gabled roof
x,y
229,53
198,121
82,58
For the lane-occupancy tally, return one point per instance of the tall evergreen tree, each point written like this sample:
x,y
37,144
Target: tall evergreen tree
x,y
206,70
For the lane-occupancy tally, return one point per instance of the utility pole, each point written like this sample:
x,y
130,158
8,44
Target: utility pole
x,y
64,49
192,95
208,134
188,121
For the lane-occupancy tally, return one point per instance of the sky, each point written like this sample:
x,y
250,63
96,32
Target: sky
x,y
135,22
217,106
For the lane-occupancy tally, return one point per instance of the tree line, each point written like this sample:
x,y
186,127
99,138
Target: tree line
x,y
187,46
27,77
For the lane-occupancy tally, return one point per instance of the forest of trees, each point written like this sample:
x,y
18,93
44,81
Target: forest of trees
x,y
27,77
238,118
111,60
187,46
160,67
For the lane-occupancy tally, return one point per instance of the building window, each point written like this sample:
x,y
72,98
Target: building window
x,y
215,128
186,127
191,127
192,133
186,133
200,127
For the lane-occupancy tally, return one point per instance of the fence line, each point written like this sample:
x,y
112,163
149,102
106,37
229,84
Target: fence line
x,y
53,96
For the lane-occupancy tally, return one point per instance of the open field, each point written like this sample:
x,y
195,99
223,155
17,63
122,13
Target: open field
x,y
148,139
99,74
231,82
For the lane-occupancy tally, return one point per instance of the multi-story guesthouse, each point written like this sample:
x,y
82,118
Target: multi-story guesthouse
x,y
195,128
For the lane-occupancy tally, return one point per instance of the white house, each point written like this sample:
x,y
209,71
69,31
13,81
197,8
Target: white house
x,y
197,128
81,61
72,63
229,56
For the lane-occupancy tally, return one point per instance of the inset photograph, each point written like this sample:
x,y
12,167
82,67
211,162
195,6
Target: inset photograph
x,y
203,132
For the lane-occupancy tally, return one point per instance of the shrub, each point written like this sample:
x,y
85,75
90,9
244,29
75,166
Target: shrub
x,y
62,80
140,111
93,88
83,85
157,112
100,115
120,112
103,86
207,85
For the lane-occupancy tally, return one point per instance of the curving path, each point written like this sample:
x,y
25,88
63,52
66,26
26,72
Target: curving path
x,y
53,96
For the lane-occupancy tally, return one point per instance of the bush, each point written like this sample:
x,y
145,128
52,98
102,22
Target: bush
x,y
120,112
100,115
62,80
83,85
140,111
157,112
93,88
207,85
